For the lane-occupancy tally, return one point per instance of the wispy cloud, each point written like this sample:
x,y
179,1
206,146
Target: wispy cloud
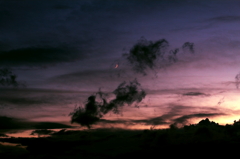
x,y
39,97
178,114
225,19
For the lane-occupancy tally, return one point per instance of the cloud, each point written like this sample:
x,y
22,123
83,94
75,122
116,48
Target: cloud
x,y
49,125
37,100
163,120
180,114
195,94
177,114
92,79
25,97
7,78
125,94
148,55
11,123
151,121
209,23
39,56
16,123
93,27
25,100
226,18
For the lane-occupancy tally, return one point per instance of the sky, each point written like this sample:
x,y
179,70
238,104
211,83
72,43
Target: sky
x,y
65,51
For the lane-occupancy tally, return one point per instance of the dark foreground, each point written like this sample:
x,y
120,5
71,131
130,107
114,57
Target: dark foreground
x,y
193,141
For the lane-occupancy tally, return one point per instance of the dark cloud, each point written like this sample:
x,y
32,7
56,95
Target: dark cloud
x,y
8,78
172,116
144,54
42,132
24,98
187,46
38,56
94,27
11,123
15,123
49,125
21,98
126,93
195,94
151,121
58,22
148,55
227,18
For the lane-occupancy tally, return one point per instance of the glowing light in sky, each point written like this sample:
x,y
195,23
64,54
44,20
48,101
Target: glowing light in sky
x,y
116,66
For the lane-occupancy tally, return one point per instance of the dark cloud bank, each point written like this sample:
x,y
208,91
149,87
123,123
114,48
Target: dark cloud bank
x,y
38,56
15,123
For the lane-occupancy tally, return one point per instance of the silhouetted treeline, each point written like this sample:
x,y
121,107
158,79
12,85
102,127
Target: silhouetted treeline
x,y
202,139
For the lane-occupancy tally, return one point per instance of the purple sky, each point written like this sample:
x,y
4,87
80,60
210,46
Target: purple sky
x,y
66,50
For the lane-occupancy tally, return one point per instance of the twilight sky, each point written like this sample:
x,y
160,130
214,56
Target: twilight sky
x,y
65,50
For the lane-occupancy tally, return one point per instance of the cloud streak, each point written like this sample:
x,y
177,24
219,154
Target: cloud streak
x,y
38,56
16,123
177,115
194,94
226,19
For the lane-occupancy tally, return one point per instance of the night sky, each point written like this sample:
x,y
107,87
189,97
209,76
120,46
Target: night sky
x,y
64,51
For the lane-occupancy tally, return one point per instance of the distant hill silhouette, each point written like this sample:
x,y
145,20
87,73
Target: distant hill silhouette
x,y
206,138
